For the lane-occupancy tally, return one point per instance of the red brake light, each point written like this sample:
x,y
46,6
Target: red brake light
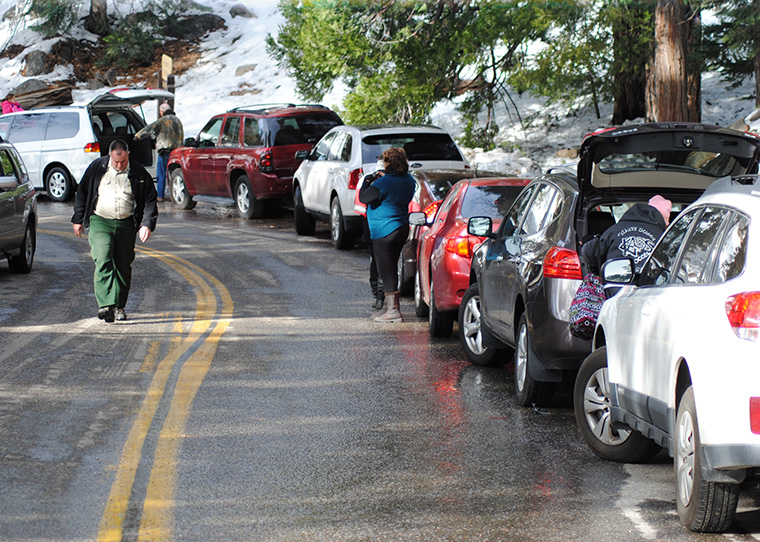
x,y
92,147
743,311
265,162
562,263
353,178
754,414
431,209
461,246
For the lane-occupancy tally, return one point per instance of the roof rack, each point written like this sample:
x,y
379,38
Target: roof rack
x,y
258,108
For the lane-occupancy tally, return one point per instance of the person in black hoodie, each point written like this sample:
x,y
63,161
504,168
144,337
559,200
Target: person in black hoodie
x,y
634,236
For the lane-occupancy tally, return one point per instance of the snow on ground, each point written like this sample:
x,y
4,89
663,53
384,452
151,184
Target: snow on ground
x,y
235,70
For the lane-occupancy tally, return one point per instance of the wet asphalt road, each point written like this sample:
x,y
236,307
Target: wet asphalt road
x,y
250,397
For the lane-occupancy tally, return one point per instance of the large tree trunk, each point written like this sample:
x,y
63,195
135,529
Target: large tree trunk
x,y
630,61
693,35
667,82
97,21
757,80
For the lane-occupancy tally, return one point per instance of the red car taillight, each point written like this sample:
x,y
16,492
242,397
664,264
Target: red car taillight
x,y
562,263
92,147
743,311
754,414
353,178
265,162
461,246
431,209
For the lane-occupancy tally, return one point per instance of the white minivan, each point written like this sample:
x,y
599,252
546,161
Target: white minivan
x,y
58,143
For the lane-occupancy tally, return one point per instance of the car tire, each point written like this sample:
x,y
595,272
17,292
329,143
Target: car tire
x,y
420,307
58,184
305,224
24,261
471,333
707,507
180,196
591,403
405,283
440,324
248,206
528,391
341,239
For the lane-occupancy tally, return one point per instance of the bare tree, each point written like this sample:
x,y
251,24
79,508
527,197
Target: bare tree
x,y
97,21
672,93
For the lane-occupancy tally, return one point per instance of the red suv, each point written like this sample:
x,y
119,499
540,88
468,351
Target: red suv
x,y
246,156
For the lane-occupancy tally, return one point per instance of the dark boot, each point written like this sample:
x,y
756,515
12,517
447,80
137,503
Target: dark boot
x,y
392,312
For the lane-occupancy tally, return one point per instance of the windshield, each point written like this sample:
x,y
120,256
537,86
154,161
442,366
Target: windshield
x,y
491,201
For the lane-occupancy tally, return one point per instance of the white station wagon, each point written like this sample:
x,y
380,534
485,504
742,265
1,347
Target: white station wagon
x,y
676,360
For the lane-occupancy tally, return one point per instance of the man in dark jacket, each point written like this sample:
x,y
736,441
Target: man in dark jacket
x,y
168,134
634,236
116,198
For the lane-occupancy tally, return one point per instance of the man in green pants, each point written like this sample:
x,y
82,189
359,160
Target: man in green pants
x,y
116,198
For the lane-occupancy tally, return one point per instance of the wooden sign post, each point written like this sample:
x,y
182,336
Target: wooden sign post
x,y
166,76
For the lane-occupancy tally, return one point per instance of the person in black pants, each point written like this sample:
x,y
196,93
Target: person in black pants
x,y
387,198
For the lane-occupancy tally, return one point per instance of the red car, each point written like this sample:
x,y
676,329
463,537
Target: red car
x,y
445,249
246,156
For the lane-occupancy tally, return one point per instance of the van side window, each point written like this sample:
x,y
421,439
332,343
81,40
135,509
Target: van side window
x,y
29,127
62,125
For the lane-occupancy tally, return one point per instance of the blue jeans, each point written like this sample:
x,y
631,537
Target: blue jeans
x,y
161,163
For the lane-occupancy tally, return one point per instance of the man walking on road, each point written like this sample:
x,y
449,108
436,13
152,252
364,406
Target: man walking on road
x,y
168,133
117,200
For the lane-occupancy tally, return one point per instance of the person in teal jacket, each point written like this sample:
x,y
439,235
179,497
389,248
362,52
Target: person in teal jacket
x,y
387,196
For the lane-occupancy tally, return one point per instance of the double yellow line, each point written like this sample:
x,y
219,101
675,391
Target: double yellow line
x,y
184,367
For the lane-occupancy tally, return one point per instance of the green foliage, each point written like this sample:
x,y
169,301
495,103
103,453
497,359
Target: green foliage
x,y
57,16
129,44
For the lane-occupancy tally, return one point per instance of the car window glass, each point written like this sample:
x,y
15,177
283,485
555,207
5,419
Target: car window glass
x,y
120,124
62,125
418,146
336,147
29,127
252,133
696,253
448,201
345,152
657,269
539,210
6,165
323,147
733,252
5,125
492,201
231,134
209,136
517,212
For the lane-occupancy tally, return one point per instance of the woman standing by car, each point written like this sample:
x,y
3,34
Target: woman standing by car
x,y
387,198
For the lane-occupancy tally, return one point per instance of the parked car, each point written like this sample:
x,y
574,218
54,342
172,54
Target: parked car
x,y
675,355
432,187
445,248
247,156
18,211
525,275
325,183
58,143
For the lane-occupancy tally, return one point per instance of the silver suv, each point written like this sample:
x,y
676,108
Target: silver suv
x,y
58,143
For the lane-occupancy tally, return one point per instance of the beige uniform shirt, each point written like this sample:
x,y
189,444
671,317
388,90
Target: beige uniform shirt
x,y
115,198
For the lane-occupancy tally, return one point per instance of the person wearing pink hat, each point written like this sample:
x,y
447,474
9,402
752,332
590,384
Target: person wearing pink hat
x,y
634,236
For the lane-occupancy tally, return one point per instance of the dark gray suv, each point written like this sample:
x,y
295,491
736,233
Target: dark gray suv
x,y
524,276
18,211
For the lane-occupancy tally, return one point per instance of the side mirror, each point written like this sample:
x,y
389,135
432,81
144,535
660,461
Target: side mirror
x,y
417,218
618,271
8,182
480,226
190,142
302,155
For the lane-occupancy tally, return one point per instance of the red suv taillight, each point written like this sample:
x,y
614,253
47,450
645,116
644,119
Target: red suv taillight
x,y
743,311
431,209
265,162
562,263
754,414
353,178
92,147
461,246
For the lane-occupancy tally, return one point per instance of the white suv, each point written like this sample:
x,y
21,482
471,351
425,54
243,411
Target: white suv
x,y
324,185
58,143
676,360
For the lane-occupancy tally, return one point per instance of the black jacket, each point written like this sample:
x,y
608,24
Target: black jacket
x,y
634,237
143,189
